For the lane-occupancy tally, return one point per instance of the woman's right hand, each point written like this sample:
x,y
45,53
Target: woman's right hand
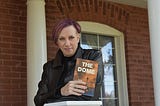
x,y
76,87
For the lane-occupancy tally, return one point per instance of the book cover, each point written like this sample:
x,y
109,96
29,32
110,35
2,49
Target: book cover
x,y
86,70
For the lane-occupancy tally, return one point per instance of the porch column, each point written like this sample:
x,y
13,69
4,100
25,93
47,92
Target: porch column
x,y
36,46
154,28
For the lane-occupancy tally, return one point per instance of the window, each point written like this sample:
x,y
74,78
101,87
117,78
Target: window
x,y
110,42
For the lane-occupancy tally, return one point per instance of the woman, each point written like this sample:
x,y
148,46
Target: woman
x,y
57,82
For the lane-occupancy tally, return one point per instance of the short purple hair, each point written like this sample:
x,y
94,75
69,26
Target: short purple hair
x,y
62,24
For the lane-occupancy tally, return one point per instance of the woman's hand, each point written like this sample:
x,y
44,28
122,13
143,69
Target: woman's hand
x,y
77,87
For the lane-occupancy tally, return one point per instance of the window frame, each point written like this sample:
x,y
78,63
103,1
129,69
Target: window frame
x,y
93,27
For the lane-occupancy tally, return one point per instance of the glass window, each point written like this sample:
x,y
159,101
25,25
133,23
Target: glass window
x,y
111,42
106,45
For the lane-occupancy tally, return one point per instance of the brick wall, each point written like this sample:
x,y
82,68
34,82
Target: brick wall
x,y
12,53
138,55
132,21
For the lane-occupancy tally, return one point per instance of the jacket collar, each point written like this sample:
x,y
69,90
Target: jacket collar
x,y
58,61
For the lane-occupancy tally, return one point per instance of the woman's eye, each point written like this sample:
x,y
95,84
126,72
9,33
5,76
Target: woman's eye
x,y
71,37
61,39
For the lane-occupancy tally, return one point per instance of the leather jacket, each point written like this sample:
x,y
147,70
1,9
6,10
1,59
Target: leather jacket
x,y
49,88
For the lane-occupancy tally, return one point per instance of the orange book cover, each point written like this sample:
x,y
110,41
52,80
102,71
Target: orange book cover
x,y
86,70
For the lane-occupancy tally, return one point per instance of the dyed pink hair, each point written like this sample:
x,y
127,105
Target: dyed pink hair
x,y
62,24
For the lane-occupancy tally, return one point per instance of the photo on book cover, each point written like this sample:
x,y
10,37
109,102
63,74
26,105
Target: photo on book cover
x,y
86,70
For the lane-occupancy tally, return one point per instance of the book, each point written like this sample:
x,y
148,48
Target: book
x,y
86,70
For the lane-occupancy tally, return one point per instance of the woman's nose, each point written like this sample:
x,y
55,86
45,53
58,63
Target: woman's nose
x,y
67,42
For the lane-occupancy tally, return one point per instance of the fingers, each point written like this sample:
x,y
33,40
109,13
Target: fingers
x,y
76,91
74,88
78,84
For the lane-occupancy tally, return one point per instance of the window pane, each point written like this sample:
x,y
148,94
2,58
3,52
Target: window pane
x,y
110,82
89,41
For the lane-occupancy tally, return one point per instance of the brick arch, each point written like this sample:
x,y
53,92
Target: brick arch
x,y
94,10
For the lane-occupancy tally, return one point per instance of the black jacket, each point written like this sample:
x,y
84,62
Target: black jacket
x,y
48,88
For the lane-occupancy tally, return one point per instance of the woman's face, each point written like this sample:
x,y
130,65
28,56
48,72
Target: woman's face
x,y
68,41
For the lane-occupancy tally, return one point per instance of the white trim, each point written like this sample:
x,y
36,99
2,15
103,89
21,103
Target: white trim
x,y
75,103
99,28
